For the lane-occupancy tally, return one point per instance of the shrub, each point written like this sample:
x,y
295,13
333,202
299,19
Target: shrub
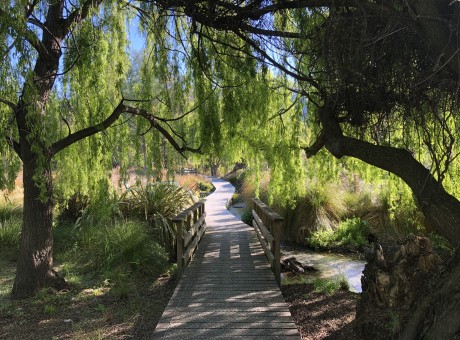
x,y
73,208
246,217
350,233
157,203
121,246
206,186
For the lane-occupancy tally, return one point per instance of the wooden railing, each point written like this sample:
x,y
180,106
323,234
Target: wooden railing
x,y
190,226
267,225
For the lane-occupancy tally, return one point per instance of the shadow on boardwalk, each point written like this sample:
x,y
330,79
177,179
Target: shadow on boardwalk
x,y
228,290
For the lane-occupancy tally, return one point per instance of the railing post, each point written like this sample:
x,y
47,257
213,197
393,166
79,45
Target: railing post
x,y
276,250
180,247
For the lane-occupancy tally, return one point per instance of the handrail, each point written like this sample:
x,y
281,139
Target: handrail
x,y
267,225
190,226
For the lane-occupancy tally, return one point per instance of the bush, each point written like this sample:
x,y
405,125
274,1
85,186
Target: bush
x,y
350,233
73,208
121,246
206,186
157,204
246,217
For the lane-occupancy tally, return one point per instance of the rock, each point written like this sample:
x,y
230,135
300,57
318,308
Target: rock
x,y
394,279
293,265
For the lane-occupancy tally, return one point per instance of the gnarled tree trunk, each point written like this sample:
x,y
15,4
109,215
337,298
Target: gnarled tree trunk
x,y
438,312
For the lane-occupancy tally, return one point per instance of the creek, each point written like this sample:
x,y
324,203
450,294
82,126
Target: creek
x,y
329,265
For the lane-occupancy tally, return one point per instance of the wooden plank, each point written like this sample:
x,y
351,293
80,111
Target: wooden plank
x,y
265,246
228,290
265,232
182,216
272,215
191,233
188,251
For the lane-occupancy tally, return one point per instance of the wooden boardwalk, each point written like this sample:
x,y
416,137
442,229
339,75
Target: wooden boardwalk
x,y
228,290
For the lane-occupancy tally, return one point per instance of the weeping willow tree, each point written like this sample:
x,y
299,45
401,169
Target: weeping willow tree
x,y
382,82
64,117
74,105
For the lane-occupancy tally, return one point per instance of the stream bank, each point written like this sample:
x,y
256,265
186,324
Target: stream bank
x,y
329,266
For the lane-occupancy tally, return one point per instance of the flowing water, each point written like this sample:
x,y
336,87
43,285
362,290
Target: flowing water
x,y
330,266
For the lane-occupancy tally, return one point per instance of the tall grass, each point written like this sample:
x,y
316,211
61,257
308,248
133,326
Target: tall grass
x,y
119,247
351,233
157,204
318,216
121,235
10,228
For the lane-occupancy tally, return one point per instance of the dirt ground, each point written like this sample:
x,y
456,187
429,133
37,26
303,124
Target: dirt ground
x,y
322,316
84,313
103,313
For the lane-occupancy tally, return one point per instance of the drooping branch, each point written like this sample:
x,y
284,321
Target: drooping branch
x,y
15,145
26,33
105,124
154,123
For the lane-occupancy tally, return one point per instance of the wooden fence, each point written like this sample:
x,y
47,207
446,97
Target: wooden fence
x,y
190,226
267,225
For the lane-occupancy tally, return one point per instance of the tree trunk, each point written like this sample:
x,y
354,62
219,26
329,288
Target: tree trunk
x,y
35,259
214,169
441,210
438,313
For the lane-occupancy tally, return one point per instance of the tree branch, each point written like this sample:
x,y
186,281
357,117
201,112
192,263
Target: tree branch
x,y
89,131
79,14
121,108
317,145
11,105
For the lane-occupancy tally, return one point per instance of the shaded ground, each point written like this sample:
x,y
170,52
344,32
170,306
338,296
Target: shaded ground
x,y
115,312
133,311
322,316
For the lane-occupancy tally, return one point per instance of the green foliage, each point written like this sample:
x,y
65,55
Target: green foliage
x,y
325,286
120,246
73,208
350,233
157,203
343,282
49,310
206,186
289,280
441,243
246,216
330,286
10,227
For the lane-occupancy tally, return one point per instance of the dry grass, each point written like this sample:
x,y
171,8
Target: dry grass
x,y
16,196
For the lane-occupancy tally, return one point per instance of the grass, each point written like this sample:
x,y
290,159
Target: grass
x,y
119,275
330,286
350,233
89,310
289,280
120,282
